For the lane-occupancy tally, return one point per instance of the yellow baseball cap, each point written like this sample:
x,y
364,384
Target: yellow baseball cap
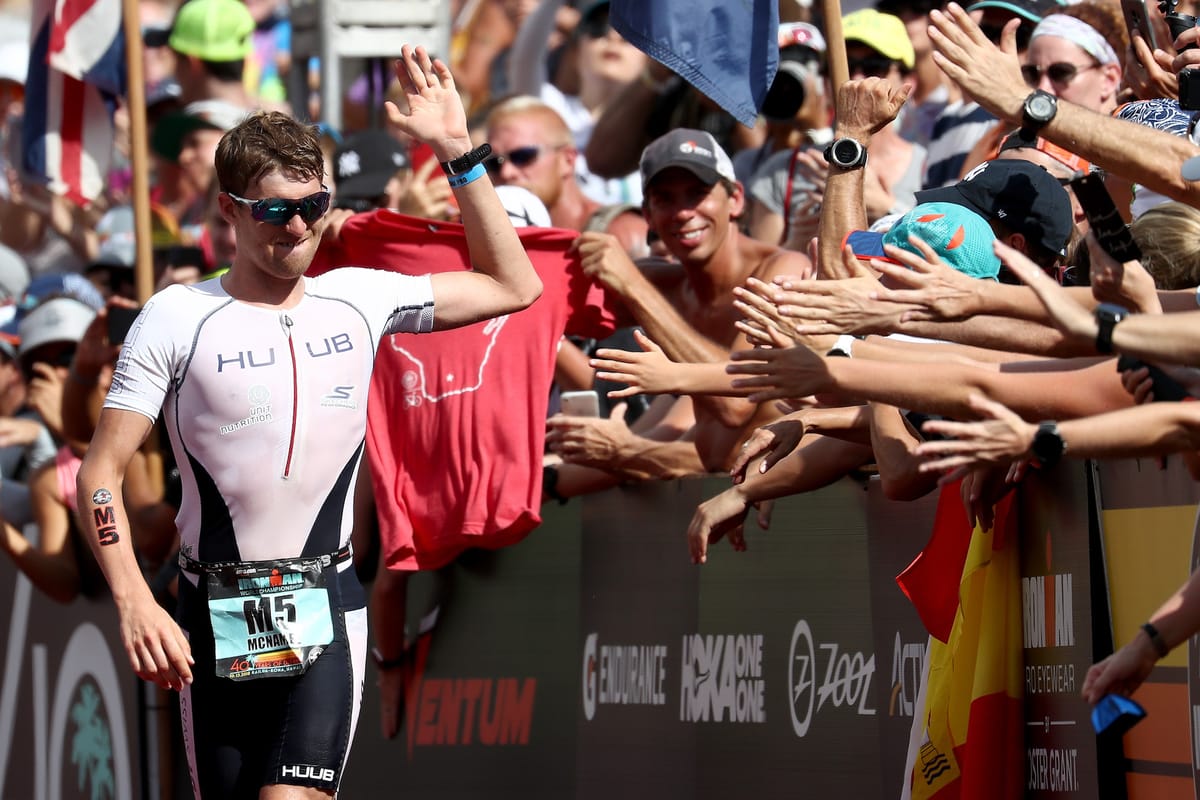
x,y
884,33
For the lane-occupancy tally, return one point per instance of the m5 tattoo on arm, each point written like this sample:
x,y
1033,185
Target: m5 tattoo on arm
x,y
105,517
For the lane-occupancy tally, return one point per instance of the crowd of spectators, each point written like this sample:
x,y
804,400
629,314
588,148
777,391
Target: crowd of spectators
x,y
873,263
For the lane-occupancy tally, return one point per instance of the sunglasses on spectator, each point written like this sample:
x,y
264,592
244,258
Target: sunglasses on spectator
x,y
155,37
872,67
54,355
994,33
519,157
594,27
1060,73
279,211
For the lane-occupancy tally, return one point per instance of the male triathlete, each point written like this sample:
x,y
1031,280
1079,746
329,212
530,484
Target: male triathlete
x,y
262,378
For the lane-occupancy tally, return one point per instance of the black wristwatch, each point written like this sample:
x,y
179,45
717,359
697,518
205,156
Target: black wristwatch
x,y
1107,317
1039,108
1048,445
846,153
465,163
550,484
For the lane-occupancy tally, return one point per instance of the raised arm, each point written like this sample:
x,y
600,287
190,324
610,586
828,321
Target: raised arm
x,y
864,107
992,76
502,279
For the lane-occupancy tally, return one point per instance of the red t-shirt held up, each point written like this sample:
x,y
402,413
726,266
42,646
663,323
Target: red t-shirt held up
x,y
456,419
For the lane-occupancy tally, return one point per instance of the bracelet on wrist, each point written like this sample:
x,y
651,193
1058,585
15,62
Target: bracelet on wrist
x,y
475,173
843,347
386,663
1156,639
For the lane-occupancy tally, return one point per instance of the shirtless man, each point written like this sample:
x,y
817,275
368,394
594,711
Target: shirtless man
x,y
692,202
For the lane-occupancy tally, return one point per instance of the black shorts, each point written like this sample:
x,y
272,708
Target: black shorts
x,y
242,735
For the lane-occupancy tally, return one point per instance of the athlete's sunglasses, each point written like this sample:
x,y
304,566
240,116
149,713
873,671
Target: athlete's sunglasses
x,y
279,211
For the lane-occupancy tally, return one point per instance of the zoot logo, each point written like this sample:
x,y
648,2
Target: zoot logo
x,y
846,680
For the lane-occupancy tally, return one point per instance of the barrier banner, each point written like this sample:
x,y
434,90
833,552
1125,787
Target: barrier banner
x,y
493,688
897,532
68,698
1056,602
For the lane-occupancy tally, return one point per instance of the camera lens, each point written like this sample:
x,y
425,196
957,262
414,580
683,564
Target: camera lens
x,y
786,95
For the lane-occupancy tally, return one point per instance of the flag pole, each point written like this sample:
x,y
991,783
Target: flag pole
x,y
835,43
158,750
138,152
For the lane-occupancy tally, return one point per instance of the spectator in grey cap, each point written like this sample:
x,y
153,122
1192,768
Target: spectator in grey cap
x,y
692,202
31,382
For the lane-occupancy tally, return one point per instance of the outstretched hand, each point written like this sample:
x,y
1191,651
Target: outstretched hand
x,y
716,518
777,374
643,373
989,74
772,442
1000,437
434,113
934,291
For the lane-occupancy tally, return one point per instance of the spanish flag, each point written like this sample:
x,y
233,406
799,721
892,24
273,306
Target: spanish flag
x,y
970,728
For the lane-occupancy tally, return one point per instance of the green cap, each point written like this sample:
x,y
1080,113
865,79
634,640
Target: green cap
x,y
213,30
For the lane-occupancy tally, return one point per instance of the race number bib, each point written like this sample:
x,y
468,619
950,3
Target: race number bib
x,y
269,619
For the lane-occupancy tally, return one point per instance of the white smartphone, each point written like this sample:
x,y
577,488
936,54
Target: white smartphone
x,y
581,404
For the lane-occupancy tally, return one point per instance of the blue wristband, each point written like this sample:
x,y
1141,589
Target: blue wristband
x,y
474,173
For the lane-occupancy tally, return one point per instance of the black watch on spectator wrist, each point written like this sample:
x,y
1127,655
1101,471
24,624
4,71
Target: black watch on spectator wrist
x,y
1039,108
550,484
1107,317
466,162
846,153
1048,445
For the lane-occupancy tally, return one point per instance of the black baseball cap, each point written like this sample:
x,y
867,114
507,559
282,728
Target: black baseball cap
x,y
1020,195
365,162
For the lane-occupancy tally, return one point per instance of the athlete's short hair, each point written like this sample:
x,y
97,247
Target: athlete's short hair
x,y
267,142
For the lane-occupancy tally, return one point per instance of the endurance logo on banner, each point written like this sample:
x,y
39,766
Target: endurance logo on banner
x,y
622,675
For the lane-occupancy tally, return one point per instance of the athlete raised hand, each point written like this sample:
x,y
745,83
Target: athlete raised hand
x,y
434,112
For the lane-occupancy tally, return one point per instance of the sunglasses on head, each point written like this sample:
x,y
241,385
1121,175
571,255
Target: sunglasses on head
x,y
1060,73
279,211
519,157
871,67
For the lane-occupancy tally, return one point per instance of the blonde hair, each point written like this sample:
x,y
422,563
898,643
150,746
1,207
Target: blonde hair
x,y
1169,236
528,106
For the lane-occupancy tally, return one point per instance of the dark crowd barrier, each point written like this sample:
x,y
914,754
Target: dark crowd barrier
x,y
593,660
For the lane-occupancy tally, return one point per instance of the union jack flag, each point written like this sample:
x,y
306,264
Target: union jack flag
x,y
76,73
